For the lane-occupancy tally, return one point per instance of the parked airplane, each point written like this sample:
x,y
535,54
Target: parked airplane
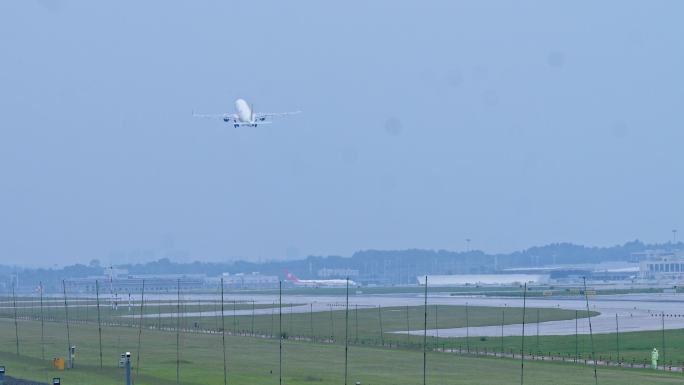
x,y
245,116
318,282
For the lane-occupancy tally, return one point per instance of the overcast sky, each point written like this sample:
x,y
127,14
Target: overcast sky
x,y
513,123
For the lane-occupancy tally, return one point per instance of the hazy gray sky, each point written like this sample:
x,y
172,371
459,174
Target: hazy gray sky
x,y
513,123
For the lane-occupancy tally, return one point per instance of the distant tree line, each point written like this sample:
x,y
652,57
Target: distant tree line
x,y
381,266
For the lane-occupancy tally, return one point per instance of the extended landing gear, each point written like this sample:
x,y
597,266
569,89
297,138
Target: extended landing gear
x,y
236,125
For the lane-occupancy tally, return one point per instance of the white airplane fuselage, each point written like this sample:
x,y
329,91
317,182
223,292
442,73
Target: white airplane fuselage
x,y
244,115
324,283
244,112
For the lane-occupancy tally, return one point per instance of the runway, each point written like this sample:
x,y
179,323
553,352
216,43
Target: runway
x,y
634,313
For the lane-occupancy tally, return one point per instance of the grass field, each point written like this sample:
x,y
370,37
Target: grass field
x,y
255,361
634,346
314,344
367,326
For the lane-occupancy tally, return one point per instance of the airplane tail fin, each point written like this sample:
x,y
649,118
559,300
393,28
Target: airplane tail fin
x,y
291,277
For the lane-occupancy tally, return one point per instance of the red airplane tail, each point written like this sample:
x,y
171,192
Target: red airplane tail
x,y
291,277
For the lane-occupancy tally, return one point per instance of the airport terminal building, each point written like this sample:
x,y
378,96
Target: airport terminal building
x,y
253,280
663,267
119,281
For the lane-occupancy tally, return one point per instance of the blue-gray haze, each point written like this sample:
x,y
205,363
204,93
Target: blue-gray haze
x,y
511,123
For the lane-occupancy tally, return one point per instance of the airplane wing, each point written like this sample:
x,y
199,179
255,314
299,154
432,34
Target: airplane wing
x,y
267,115
224,117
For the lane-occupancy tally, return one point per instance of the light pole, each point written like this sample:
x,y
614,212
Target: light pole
x,y
127,369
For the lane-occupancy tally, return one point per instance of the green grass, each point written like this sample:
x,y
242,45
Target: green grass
x,y
255,361
202,358
634,346
364,323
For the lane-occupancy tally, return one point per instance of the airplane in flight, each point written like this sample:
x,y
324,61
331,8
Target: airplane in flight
x,y
318,282
245,116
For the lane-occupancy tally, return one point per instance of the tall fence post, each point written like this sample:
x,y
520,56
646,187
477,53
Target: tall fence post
x,y
467,328
662,317
356,323
522,342
66,317
576,337
159,321
291,322
313,338
425,333
140,328
346,333
42,324
332,325
16,323
591,333
272,319
382,337
199,310
436,325
538,350
503,322
178,315
99,320
235,324
223,337
253,317
280,332
408,328
617,338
